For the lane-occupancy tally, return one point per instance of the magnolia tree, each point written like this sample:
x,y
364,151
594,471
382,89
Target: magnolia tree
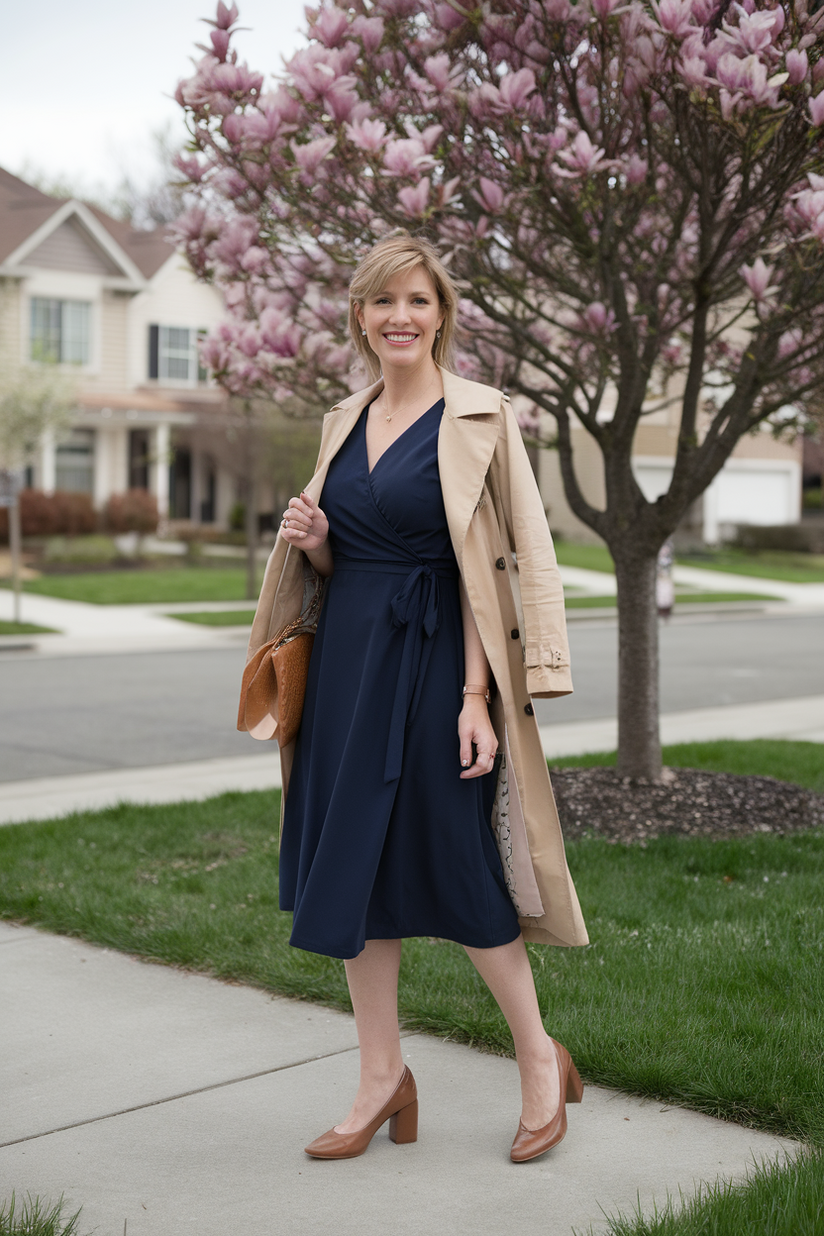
x,y
630,195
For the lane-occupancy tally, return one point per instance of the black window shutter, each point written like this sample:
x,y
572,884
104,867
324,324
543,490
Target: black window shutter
x,y
154,348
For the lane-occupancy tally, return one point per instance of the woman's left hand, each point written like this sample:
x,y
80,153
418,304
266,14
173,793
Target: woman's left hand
x,y
475,727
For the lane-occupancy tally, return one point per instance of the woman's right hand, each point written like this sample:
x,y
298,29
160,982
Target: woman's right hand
x,y
304,523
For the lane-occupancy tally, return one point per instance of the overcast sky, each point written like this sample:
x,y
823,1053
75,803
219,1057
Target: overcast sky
x,y
83,85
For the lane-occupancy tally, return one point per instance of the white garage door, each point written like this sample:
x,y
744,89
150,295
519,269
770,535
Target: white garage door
x,y
755,496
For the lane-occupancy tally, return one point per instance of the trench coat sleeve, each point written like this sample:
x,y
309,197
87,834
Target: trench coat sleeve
x,y
546,648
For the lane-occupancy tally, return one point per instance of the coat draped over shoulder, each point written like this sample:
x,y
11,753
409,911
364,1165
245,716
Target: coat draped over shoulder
x,y
504,550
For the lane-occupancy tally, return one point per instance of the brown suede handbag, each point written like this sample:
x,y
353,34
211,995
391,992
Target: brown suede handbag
x,y
273,689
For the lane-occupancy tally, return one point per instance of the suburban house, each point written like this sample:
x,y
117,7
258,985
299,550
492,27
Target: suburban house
x,y
80,288
121,307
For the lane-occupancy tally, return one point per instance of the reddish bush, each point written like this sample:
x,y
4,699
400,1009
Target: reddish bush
x,y
134,511
58,514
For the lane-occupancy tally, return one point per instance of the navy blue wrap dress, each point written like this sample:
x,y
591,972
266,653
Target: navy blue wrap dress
x,y
381,838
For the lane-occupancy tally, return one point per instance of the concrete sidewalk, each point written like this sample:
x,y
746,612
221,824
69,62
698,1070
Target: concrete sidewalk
x,y
801,719
165,1103
85,628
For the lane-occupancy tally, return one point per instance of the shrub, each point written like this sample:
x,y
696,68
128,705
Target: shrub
x,y
60,513
797,538
134,511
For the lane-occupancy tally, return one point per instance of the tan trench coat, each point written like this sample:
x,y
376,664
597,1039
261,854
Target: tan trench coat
x,y
494,510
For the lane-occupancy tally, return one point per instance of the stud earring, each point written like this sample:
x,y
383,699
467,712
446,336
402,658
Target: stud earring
x,y
437,334
363,332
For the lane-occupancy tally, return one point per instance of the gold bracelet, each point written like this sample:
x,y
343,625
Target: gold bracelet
x,y
472,689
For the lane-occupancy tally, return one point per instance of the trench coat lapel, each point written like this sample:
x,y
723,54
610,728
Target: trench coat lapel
x,y
466,444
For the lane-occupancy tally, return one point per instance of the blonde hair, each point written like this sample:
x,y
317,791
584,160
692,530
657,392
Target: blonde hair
x,y
395,255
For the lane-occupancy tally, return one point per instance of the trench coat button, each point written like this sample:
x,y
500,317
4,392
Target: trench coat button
x,y
529,710
514,633
501,564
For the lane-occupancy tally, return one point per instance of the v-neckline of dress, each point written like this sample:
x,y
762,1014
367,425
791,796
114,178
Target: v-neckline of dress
x,y
370,471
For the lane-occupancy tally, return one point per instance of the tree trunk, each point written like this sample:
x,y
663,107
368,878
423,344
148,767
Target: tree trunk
x,y
15,546
639,742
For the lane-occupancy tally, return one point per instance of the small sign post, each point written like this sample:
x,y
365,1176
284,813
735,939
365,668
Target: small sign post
x,y
11,482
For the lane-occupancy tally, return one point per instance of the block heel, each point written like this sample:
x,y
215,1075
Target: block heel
x,y
401,1110
403,1126
574,1086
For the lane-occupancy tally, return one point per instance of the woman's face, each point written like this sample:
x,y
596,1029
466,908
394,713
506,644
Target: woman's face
x,y
401,320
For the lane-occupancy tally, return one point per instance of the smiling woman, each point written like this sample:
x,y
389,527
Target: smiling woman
x,y
422,495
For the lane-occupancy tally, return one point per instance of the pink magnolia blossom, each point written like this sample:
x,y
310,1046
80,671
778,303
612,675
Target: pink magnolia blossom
x,y
370,31
340,99
249,340
313,70
755,31
254,259
757,278
437,70
515,88
491,196
280,334
232,126
797,66
220,43
693,71
330,26
226,17
817,109
583,159
405,157
310,156
414,201
368,135
636,170
597,319
674,17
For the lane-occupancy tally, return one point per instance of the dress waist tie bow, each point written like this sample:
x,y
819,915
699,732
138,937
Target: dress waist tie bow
x,y
415,609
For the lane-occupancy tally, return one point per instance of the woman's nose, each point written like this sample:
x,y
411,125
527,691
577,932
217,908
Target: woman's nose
x,y
400,313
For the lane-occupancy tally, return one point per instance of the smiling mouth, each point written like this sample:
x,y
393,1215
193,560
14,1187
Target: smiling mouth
x,y
400,338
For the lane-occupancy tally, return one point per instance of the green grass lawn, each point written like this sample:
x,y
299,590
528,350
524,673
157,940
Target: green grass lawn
x,y
221,618
795,568
23,628
590,557
703,985
768,564
689,598
145,586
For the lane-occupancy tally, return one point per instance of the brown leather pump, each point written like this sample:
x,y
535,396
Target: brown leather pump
x,y
400,1109
529,1143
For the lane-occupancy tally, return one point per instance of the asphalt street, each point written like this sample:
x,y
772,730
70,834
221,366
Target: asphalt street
x,y
75,714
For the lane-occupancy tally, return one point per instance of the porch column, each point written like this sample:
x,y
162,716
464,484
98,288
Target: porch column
x,y
161,456
48,463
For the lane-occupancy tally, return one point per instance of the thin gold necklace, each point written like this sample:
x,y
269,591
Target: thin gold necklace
x,y
404,406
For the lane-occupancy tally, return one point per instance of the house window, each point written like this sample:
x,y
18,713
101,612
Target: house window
x,y
60,331
173,355
75,462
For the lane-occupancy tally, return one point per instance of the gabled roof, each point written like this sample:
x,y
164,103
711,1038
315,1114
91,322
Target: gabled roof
x,y
28,217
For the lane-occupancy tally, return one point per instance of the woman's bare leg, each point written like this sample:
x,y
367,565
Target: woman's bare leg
x,y
373,986
508,975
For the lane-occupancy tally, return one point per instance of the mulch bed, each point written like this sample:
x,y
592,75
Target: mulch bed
x,y
687,803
